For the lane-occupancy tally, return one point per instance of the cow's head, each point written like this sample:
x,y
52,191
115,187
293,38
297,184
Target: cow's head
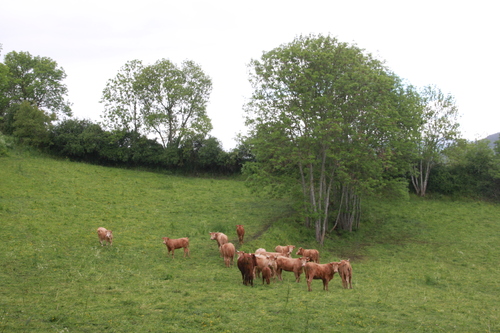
x,y
213,235
303,261
300,251
343,263
271,260
335,266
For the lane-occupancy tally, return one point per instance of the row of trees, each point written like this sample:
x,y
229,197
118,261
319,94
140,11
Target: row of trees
x,y
328,123
142,104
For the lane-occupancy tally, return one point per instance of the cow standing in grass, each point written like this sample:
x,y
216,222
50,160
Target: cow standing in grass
x,y
178,243
311,253
241,233
345,271
323,272
264,261
246,265
228,251
105,235
266,275
294,265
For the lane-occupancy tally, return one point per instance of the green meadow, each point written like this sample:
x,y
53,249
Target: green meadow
x,y
419,265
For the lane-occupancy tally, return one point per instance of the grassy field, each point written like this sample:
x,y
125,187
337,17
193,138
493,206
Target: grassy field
x,y
418,265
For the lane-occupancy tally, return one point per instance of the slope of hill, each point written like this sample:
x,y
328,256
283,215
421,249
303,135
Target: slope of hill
x,y
418,265
493,138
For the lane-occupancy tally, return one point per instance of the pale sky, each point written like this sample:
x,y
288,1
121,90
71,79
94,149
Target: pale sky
x,y
451,44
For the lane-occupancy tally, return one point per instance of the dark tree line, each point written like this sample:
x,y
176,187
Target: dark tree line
x,y
83,140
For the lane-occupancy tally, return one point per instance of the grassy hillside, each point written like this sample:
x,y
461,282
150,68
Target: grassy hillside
x,y
419,265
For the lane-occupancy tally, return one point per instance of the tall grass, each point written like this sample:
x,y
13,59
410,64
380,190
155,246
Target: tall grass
x,y
419,265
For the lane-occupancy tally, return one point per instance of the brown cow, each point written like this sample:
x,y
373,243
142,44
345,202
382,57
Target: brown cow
x,y
324,272
311,253
246,265
286,250
345,271
294,265
178,243
227,251
220,237
241,232
266,275
263,261
105,235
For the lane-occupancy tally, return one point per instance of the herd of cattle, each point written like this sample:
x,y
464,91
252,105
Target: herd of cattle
x,y
269,265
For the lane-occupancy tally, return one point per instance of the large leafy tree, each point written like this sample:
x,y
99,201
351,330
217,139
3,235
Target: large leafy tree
x,y
37,81
439,129
174,100
326,116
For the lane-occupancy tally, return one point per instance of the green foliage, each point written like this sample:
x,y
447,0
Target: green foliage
x,y
4,145
37,80
162,99
31,125
4,86
84,140
438,130
122,108
417,264
328,114
471,169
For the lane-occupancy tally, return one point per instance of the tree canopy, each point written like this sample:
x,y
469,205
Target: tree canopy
x,y
162,99
35,80
438,130
330,118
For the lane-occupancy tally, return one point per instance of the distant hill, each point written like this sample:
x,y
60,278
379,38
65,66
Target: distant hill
x,y
492,138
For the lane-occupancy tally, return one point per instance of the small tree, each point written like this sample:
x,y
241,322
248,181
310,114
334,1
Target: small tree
x,y
439,129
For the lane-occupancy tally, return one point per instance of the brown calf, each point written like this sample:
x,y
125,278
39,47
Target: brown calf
x,y
241,232
265,261
266,275
294,265
178,243
246,265
323,272
105,235
311,253
286,251
227,251
345,271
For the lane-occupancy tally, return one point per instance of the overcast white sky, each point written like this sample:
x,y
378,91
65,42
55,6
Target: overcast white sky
x,y
452,44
